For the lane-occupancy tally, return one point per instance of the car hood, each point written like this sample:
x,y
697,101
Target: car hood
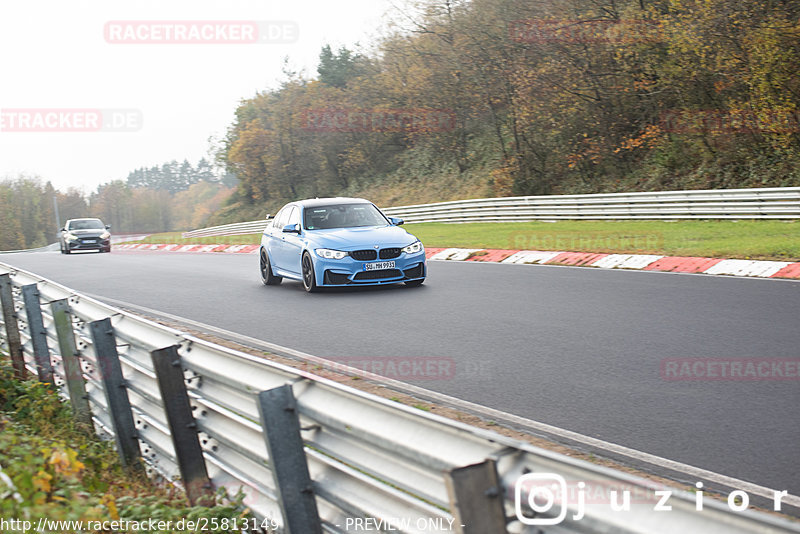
x,y
87,233
358,238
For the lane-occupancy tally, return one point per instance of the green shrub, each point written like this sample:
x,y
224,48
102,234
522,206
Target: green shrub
x,y
61,471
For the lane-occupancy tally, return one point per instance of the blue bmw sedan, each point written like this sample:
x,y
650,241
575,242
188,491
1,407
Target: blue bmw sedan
x,y
329,242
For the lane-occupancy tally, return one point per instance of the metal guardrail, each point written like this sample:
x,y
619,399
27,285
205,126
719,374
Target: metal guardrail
x,y
767,203
764,203
245,228
46,248
211,415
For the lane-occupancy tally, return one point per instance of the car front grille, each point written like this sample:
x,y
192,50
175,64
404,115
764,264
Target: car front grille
x,y
369,254
379,274
364,255
389,253
82,243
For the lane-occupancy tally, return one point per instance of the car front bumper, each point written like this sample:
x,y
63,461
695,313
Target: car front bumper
x,y
89,244
349,271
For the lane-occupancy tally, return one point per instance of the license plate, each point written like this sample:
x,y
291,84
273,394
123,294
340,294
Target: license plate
x,y
90,240
379,265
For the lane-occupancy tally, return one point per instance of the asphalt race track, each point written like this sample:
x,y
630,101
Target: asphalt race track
x,y
577,348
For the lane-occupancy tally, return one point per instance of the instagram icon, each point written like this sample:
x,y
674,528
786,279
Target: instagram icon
x,y
541,492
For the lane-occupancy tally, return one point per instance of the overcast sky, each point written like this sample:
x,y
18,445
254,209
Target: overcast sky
x,y
63,54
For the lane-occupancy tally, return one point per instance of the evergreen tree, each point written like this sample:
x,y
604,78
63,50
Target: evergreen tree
x,y
337,69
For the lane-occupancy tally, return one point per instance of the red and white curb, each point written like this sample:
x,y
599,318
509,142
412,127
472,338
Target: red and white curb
x,y
230,249
644,262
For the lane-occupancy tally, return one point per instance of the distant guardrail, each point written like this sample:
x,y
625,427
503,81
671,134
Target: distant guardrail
x,y
312,455
763,203
244,228
52,246
115,239
769,203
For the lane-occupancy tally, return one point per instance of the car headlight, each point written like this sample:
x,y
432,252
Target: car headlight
x,y
70,237
105,235
329,254
413,248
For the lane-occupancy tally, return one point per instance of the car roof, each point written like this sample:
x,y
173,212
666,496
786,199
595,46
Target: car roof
x,y
84,219
314,202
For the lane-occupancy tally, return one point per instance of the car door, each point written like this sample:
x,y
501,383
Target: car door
x,y
273,237
291,244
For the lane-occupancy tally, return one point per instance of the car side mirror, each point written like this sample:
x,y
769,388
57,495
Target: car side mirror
x,y
291,229
268,216
396,221
63,230
108,227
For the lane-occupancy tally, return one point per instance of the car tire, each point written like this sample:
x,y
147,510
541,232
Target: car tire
x,y
415,283
267,278
309,277
67,250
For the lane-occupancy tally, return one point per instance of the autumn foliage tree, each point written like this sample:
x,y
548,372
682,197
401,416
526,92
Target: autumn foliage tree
x,y
168,197
560,96
27,212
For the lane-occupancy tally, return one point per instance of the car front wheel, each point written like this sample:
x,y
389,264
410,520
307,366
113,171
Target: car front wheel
x,y
309,279
267,278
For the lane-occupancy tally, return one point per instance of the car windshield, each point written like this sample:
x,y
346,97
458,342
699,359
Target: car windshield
x,y
88,224
342,216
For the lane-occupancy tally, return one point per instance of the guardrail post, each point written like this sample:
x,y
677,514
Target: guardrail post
x,y
182,426
41,352
476,499
73,373
12,327
119,405
287,457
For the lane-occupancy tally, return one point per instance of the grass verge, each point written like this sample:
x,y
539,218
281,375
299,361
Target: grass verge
x,y
745,239
775,240
175,237
59,470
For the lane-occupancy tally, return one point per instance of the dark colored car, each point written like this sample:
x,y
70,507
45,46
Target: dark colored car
x,y
85,234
